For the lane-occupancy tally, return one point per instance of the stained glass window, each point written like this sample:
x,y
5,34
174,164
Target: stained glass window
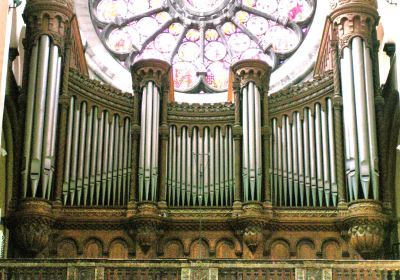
x,y
202,38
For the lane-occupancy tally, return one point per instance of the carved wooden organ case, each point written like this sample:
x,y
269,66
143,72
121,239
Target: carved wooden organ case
x,y
294,174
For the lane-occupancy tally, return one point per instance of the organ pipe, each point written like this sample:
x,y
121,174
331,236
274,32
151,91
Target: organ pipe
x,y
205,173
82,137
300,154
319,162
371,120
361,114
97,158
48,120
39,112
302,150
29,116
349,114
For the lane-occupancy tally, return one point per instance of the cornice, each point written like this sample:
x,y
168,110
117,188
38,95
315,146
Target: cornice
x,y
296,97
221,113
100,94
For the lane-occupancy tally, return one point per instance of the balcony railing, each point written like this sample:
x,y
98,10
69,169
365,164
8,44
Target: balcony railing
x,y
198,269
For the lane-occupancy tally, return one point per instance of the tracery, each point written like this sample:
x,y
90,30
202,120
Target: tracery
x,y
201,39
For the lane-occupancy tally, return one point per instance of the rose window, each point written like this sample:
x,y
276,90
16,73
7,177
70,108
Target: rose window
x,y
202,38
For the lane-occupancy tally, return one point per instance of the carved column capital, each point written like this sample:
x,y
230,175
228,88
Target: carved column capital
x,y
33,225
246,71
50,17
354,18
154,70
365,224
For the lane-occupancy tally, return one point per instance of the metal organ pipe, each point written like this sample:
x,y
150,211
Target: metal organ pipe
x,y
99,157
325,155
204,168
318,144
48,120
361,114
332,152
39,112
289,160
307,160
349,114
81,153
300,155
29,116
371,120
68,150
295,147
88,148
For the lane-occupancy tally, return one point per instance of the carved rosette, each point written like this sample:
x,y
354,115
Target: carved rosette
x,y
354,18
146,226
49,17
154,70
366,223
248,70
33,225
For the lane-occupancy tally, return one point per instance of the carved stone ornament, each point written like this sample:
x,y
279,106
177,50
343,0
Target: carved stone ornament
x,y
366,223
32,224
145,227
146,236
354,18
253,237
154,70
50,17
367,238
248,70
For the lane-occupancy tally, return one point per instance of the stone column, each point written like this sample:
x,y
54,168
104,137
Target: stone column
x,y
354,24
48,29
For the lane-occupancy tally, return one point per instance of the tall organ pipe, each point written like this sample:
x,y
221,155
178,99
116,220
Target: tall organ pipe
x,y
371,120
275,158
88,148
349,113
48,119
300,153
67,164
29,117
82,137
295,148
332,153
307,160
185,194
143,138
121,191
54,125
245,124
361,114
94,160
179,166
39,112
252,144
319,156
257,116
155,134
110,189
289,160
105,157
99,163
325,151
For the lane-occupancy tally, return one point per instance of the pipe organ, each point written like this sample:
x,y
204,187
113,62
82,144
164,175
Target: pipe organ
x,y
303,170
41,119
97,161
252,163
116,174
200,166
149,135
361,152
